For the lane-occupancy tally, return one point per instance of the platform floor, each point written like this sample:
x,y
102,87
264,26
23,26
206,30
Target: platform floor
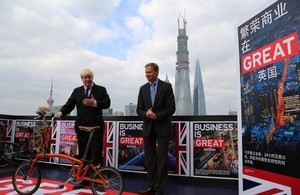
x,y
133,183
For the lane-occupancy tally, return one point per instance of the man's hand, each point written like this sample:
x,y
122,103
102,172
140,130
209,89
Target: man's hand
x,y
89,102
58,115
150,114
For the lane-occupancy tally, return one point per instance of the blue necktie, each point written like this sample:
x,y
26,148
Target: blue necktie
x,y
86,93
152,92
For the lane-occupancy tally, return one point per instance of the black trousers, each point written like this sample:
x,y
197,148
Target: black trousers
x,y
96,145
156,149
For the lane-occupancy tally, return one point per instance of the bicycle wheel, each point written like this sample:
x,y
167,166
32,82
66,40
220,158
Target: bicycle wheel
x,y
23,183
114,180
7,151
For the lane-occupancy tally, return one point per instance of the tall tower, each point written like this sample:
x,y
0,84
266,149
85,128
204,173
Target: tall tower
x,y
50,100
182,76
198,92
167,79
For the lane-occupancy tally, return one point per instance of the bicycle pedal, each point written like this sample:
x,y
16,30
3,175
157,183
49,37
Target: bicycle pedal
x,y
60,186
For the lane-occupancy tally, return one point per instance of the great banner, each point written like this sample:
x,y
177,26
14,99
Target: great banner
x,y
131,152
200,146
269,114
215,149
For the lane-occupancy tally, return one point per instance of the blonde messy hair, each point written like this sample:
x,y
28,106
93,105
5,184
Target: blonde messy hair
x,y
86,73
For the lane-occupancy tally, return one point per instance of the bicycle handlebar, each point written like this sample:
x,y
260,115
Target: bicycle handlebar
x,y
40,114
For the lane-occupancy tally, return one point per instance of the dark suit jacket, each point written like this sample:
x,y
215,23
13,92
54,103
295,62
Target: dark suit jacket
x,y
87,115
164,108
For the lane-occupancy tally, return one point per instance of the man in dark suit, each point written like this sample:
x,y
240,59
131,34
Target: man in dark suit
x,y
89,100
156,105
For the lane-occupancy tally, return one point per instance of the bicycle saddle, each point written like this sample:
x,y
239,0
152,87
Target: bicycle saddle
x,y
88,128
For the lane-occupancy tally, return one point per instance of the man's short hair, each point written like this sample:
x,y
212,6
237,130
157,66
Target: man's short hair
x,y
153,65
86,72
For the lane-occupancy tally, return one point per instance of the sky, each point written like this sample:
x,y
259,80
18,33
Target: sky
x,y
47,40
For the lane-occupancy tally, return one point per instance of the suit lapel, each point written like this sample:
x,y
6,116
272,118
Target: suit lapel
x,y
147,92
82,92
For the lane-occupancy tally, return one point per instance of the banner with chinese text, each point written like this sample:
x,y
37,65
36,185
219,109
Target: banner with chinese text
x,y
269,114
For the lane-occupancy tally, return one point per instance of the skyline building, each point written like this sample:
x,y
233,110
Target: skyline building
x,y
182,78
198,92
130,109
107,112
185,105
167,79
50,100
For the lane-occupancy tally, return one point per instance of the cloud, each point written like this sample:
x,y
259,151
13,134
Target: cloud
x,y
57,39
138,28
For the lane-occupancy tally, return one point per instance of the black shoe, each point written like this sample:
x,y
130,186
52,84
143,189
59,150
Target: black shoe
x,y
149,190
78,186
81,185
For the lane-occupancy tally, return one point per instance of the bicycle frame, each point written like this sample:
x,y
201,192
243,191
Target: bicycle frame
x,y
80,167
27,177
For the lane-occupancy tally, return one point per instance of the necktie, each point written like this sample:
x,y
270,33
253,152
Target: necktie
x,y
86,93
152,92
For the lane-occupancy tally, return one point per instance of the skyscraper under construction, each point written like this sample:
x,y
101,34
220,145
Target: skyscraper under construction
x,y
182,78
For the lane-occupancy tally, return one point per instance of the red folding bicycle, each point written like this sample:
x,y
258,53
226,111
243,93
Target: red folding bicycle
x,y
104,180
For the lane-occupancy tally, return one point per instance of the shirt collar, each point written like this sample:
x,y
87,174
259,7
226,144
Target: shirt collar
x,y
85,87
154,82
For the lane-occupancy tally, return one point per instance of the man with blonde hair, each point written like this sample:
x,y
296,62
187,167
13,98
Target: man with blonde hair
x,y
89,100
